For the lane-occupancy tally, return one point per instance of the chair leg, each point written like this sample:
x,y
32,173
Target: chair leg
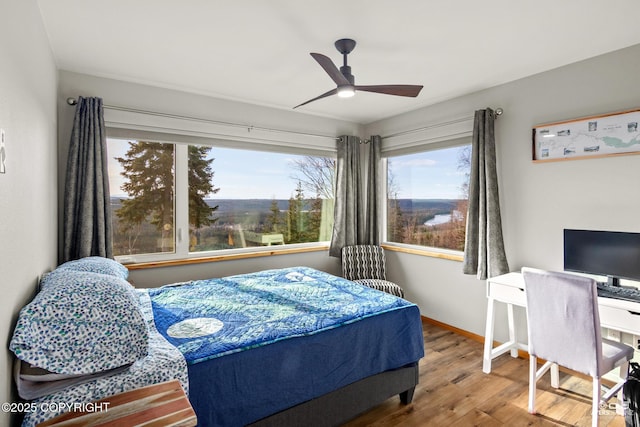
x,y
595,410
534,375
533,366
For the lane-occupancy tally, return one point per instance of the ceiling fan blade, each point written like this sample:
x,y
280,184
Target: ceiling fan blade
x,y
399,90
331,69
324,95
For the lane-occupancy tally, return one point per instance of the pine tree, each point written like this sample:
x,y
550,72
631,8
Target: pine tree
x,y
295,221
272,221
314,220
148,169
200,185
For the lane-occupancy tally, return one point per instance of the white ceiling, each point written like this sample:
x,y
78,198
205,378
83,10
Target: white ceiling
x,y
257,51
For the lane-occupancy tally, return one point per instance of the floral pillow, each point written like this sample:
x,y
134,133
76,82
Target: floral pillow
x,y
81,323
96,264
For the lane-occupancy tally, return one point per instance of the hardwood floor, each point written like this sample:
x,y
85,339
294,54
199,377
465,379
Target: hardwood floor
x,y
453,391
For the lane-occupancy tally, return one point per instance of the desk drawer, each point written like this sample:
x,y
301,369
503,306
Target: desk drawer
x,y
619,319
506,293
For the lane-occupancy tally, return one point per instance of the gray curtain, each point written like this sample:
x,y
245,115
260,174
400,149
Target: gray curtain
x,y
484,253
87,219
371,228
356,205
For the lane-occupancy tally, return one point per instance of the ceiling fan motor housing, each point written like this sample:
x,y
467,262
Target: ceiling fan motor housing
x,y
346,71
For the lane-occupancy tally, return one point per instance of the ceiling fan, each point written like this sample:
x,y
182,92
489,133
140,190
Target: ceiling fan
x,y
346,82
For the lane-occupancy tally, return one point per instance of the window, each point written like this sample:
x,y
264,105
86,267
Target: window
x,y
427,194
141,182
170,200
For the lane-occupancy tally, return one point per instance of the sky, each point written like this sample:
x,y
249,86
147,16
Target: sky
x,y
240,174
427,175
244,174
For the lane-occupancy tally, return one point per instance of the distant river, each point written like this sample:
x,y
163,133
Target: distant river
x,y
438,219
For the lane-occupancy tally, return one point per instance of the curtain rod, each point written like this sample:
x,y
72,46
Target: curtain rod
x,y
498,112
249,128
74,101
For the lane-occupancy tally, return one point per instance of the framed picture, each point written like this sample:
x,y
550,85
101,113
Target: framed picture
x,y
611,134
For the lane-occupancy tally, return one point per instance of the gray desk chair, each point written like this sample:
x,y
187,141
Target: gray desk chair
x,y
564,329
365,264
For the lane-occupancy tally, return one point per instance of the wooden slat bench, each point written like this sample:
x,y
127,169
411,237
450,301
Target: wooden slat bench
x,y
163,404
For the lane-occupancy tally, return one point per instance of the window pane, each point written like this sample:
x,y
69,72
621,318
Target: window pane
x,y
141,180
427,197
243,198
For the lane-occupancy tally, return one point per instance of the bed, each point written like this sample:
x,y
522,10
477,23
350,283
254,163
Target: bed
x,y
293,346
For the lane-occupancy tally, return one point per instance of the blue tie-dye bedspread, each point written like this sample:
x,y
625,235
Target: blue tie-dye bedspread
x,y
205,319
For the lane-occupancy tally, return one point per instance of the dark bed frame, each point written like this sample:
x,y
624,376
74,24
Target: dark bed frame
x,y
345,403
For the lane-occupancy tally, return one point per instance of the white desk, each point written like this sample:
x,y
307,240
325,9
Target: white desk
x,y
615,314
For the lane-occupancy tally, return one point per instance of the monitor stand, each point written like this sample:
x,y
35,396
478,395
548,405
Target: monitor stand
x,y
613,281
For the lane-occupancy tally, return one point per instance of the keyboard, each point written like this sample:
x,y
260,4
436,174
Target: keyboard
x,y
617,292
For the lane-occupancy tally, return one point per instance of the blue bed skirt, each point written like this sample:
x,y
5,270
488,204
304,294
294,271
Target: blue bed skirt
x,y
244,387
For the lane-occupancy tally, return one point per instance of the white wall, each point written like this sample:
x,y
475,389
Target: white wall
x,y
538,200
28,195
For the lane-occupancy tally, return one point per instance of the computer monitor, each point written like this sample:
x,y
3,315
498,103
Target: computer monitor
x,y
613,254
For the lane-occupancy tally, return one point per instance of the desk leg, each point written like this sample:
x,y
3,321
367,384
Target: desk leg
x,y
488,336
512,330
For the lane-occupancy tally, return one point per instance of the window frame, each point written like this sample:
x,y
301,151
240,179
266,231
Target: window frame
x,y
181,141
459,140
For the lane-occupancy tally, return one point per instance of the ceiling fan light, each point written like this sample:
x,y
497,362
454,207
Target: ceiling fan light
x,y
346,91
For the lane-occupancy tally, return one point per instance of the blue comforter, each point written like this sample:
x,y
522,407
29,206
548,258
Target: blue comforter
x,y
323,333
206,319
